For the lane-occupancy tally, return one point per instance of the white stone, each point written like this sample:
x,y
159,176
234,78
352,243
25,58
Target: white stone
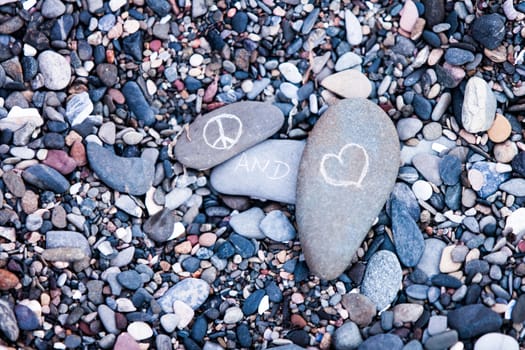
x,y
479,106
140,330
496,341
18,117
290,72
264,305
125,305
348,60
184,312
79,108
178,230
114,5
196,60
169,322
233,315
55,69
354,34
516,222
422,189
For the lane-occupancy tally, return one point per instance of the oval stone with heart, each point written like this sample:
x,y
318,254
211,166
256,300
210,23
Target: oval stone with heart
x,y
347,172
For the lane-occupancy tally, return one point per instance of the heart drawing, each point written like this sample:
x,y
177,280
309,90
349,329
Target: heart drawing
x,y
347,168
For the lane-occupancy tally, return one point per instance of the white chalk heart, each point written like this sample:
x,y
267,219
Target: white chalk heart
x,y
342,169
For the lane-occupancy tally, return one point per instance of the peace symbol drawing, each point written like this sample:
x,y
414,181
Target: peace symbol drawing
x,y
346,168
223,131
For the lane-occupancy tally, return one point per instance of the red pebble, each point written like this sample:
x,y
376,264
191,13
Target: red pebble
x,y
521,246
193,239
60,161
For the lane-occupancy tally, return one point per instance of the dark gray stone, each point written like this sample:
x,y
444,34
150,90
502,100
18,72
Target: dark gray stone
x,y
473,320
402,193
131,175
434,12
223,133
27,320
137,103
251,304
159,227
348,169
382,341
382,279
408,239
267,170
518,312
46,178
458,57
130,279
450,170
489,30
191,291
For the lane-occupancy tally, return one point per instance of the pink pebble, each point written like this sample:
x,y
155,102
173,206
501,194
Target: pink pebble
x,y
60,161
155,45
409,16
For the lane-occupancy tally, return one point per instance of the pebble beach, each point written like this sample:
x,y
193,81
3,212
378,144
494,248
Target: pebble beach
x,y
262,174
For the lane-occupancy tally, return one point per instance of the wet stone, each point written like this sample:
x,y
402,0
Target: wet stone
x,y
344,166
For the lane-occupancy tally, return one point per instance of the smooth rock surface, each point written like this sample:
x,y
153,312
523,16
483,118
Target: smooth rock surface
x,y
349,165
267,170
277,226
473,320
348,84
382,279
191,291
479,106
247,223
225,132
70,239
382,341
55,70
408,238
496,341
46,178
131,175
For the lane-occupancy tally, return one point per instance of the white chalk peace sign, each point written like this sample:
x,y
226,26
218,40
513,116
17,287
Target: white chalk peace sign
x,y
217,137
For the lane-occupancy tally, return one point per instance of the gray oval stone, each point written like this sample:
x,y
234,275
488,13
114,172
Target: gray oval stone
x,y
55,69
479,106
382,278
226,132
267,170
69,239
131,175
348,169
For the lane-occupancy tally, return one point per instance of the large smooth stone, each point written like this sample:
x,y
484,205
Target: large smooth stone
x,y
496,341
347,172
55,69
226,132
473,320
267,170
130,175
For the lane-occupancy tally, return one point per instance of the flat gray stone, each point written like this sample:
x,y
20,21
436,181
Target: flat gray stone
x,y
69,239
267,171
428,166
382,278
347,172
277,226
223,133
515,187
431,257
247,223
191,291
130,175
